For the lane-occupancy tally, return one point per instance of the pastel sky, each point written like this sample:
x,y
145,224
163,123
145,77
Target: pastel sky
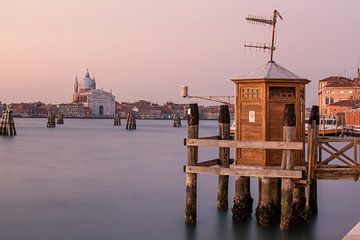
x,y
147,49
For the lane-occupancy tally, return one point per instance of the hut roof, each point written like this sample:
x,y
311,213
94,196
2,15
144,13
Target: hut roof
x,y
270,70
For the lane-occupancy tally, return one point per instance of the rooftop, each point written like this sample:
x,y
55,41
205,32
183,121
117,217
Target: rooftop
x,y
270,70
345,103
337,81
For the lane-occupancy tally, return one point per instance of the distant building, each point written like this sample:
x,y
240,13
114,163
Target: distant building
x,y
341,106
74,110
335,89
99,102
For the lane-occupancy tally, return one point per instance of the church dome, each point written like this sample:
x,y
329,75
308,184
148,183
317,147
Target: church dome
x,y
87,82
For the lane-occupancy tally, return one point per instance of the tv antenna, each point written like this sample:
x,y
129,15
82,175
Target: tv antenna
x,y
266,21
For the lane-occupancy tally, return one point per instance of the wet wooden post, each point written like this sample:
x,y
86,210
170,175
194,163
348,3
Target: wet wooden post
x,y
242,206
7,124
287,163
51,120
192,160
311,190
177,120
133,121
298,204
266,210
224,156
59,118
275,185
117,120
130,121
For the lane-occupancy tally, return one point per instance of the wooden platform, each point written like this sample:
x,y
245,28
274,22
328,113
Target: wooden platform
x,y
354,233
252,171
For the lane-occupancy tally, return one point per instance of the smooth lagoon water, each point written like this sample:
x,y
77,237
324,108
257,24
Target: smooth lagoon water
x,y
89,180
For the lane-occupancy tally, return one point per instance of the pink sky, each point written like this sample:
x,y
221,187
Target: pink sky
x,y
147,49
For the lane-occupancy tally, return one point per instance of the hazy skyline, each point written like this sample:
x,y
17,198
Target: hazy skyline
x,y
147,49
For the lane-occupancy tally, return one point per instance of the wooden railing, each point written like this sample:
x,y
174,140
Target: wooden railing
x,y
333,158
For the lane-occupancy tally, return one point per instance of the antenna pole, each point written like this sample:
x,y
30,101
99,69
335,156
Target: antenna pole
x,y
273,38
266,21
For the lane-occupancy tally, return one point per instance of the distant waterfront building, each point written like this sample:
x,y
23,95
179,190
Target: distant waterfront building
x,y
74,110
338,89
97,101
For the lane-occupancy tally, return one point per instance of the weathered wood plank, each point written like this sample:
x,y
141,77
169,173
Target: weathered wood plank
x,y
336,139
245,144
300,168
244,172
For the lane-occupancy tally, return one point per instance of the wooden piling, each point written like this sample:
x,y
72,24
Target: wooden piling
x,y
275,193
130,121
192,160
117,120
266,214
7,124
59,118
224,156
51,120
242,205
177,120
287,163
298,205
311,207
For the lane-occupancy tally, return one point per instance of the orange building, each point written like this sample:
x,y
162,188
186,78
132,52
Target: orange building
x,y
335,89
341,106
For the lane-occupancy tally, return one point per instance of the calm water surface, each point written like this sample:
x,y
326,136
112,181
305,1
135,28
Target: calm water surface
x,y
90,180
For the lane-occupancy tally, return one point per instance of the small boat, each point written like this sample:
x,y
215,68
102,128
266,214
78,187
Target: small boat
x,y
328,126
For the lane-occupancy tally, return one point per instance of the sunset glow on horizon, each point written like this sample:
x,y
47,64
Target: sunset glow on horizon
x,y
148,49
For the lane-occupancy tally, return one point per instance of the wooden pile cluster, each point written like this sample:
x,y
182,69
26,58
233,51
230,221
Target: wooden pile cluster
x,y
7,125
51,120
117,120
177,120
130,121
59,119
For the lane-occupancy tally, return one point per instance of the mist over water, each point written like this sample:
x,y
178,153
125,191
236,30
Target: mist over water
x,y
87,179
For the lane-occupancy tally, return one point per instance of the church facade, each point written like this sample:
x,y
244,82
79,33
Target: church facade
x,y
98,102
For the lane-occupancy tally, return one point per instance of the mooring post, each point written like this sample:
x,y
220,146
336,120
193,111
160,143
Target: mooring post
x,y
59,118
242,208
311,207
133,121
224,156
127,120
177,120
275,186
298,205
287,163
117,120
192,160
51,120
130,121
266,209
7,124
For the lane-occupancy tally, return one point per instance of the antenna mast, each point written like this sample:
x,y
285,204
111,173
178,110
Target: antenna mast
x,y
268,21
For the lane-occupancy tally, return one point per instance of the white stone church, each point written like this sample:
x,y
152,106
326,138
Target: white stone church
x,y
99,102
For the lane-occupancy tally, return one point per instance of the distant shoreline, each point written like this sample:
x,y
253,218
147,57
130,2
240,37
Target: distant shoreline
x,y
90,118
